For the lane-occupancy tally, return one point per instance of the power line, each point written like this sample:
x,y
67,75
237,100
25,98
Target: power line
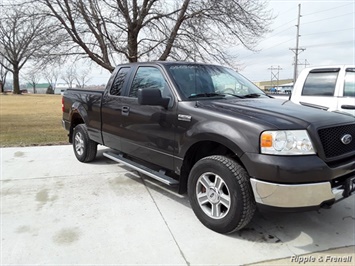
x,y
327,31
268,48
324,10
284,24
331,44
277,34
352,13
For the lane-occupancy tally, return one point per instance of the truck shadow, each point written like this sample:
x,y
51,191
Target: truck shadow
x,y
308,231
100,159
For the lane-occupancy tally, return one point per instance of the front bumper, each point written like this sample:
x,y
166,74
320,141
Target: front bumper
x,y
300,195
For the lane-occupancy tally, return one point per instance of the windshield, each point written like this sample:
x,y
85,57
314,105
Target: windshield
x,y
206,81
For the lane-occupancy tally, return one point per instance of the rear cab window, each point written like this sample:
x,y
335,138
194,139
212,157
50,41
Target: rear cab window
x,y
349,83
321,82
117,85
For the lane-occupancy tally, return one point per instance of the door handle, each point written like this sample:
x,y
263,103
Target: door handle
x,y
125,110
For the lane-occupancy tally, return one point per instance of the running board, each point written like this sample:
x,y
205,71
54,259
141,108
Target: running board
x,y
160,176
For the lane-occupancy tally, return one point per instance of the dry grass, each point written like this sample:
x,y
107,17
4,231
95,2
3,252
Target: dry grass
x,y
27,120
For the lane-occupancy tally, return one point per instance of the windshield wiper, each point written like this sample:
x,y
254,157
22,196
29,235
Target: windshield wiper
x,y
235,95
252,95
207,94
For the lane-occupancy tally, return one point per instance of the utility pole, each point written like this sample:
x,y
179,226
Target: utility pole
x,y
275,73
297,50
306,63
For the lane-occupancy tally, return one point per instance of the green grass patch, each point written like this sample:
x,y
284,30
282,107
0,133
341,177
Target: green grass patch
x,y
30,120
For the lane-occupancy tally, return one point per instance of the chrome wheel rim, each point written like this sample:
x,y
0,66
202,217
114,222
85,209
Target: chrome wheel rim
x,y
213,195
79,143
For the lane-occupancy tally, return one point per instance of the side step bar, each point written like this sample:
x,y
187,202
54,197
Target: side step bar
x,y
160,176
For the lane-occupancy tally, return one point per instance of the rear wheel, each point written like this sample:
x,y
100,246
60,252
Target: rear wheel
x,y
84,148
220,194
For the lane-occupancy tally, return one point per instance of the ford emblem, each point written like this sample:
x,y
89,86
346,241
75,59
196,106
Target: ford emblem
x,y
346,139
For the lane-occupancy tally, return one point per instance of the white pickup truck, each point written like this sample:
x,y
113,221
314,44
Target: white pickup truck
x,y
330,88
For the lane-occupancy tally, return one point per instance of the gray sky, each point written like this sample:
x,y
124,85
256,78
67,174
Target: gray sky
x,y
327,30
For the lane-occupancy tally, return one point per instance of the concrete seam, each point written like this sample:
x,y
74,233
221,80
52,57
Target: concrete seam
x,y
171,233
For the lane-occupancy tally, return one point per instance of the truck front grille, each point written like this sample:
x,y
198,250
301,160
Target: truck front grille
x,y
331,139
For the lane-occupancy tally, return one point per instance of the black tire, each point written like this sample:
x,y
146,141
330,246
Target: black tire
x,y
220,194
84,148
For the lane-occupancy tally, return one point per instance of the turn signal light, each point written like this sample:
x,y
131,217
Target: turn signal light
x,y
266,140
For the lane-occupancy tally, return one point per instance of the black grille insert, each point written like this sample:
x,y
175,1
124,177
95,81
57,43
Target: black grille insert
x,y
331,140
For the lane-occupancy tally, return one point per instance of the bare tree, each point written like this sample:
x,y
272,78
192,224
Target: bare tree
x,y
22,35
51,74
3,73
69,76
33,77
135,30
83,77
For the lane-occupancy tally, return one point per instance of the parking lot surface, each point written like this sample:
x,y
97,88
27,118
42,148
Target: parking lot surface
x,y
58,211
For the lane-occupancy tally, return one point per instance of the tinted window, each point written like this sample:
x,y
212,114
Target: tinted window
x,y
148,77
349,85
320,84
117,85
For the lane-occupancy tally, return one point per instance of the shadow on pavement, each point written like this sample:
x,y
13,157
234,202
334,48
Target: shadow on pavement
x,y
308,231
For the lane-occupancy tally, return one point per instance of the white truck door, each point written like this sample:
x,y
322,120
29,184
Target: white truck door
x,y
346,93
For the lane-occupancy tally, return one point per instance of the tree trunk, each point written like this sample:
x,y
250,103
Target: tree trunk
x,y
1,86
132,46
16,83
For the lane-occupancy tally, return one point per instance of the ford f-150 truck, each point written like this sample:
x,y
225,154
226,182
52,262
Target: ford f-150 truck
x,y
330,88
215,135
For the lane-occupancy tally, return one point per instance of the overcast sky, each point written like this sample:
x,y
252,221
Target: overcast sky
x,y
327,30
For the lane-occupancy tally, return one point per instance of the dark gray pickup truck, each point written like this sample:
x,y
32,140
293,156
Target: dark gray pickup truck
x,y
210,131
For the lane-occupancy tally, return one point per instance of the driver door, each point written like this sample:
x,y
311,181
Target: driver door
x,y
147,132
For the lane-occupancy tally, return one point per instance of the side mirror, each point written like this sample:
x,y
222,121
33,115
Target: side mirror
x,y
152,97
348,107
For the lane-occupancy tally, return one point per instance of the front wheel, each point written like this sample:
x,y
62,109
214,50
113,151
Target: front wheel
x,y
84,148
220,194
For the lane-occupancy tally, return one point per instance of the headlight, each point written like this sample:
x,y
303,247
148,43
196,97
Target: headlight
x,y
286,142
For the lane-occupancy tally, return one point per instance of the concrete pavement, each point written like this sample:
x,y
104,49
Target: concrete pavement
x,y
58,211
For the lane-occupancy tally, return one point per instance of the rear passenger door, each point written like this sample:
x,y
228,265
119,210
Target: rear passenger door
x,y
111,109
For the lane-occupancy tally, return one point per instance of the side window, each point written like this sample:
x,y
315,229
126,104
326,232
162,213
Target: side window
x,y
149,77
117,84
320,84
349,84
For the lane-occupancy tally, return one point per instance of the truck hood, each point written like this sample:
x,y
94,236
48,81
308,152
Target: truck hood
x,y
282,114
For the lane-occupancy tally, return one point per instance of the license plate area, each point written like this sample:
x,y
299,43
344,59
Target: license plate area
x,y
349,187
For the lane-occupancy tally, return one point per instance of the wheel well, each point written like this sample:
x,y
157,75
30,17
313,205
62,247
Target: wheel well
x,y
76,120
198,151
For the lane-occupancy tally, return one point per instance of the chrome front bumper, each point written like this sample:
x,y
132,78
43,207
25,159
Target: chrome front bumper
x,y
294,196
